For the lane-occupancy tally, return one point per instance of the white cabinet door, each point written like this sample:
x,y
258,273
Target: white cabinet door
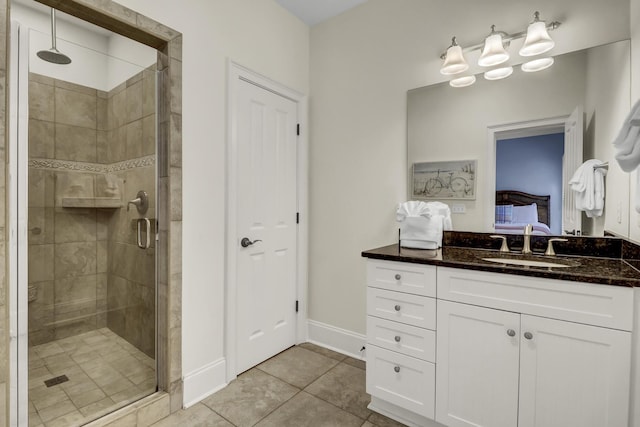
x,y
477,366
573,375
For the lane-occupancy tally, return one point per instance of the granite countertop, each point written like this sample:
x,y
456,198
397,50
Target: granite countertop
x,y
598,270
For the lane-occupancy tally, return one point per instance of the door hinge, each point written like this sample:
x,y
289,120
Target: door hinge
x,y
298,129
296,306
297,217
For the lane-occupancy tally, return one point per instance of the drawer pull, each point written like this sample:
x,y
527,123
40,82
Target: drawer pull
x,y
397,307
398,277
397,338
528,335
396,368
511,332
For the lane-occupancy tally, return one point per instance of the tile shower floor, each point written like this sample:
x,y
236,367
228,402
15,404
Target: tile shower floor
x,y
104,372
306,385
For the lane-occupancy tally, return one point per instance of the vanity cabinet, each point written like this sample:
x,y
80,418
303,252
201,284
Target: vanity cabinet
x,y
509,366
401,340
455,347
503,369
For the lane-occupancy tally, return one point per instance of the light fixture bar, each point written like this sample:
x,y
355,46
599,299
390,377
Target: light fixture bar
x,y
506,38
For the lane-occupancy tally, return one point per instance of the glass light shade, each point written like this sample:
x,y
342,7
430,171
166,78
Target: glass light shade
x,y
463,81
493,52
454,63
498,73
537,40
537,65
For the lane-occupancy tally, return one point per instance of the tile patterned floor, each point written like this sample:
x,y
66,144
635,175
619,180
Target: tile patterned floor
x,y
306,385
105,373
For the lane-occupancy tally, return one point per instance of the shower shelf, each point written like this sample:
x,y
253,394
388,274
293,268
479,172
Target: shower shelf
x,y
91,202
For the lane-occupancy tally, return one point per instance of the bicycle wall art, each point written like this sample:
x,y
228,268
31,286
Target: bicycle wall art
x,y
445,180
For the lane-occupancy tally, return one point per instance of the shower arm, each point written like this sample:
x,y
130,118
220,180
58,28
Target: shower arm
x,y
53,29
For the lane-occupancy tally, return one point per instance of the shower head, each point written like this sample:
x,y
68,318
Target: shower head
x,y
53,55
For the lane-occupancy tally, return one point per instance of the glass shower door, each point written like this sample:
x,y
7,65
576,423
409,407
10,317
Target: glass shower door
x,y
89,280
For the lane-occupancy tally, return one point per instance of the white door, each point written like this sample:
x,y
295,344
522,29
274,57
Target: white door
x,y
572,159
478,364
573,375
266,218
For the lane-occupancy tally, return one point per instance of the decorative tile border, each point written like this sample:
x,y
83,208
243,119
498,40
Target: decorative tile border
x,y
68,165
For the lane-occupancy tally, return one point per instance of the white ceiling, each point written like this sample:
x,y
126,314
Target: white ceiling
x,y
313,12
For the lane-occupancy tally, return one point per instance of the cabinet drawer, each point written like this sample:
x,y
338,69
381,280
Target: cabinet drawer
x,y
405,308
404,277
401,380
599,305
405,339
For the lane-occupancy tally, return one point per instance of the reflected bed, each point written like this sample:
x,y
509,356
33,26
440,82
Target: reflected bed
x,y
515,209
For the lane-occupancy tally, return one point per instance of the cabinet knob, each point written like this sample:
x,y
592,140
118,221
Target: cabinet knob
x,y
397,338
398,277
397,368
528,335
397,307
511,332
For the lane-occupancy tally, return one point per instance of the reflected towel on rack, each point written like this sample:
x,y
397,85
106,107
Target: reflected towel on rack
x,y
627,143
588,184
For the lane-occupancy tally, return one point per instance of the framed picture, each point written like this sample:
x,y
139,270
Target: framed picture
x,y
444,180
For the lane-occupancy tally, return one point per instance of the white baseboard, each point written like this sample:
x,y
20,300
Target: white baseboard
x,y
337,339
204,382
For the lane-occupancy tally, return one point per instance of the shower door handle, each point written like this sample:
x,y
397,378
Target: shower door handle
x,y
147,243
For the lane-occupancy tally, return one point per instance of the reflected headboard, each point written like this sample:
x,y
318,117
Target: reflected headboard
x,y
518,198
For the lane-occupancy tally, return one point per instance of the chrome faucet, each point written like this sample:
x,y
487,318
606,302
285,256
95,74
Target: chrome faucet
x,y
526,248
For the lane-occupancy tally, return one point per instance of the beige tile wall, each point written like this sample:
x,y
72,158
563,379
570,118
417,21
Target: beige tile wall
x,y
131,296
85,268
66,279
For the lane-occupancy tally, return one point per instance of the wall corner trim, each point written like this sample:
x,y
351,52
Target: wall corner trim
x,y
204,381
337,339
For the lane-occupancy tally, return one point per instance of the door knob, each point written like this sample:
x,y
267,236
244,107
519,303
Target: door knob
x,y
246,242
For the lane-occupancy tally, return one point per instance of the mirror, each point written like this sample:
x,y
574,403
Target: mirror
x,y
451,124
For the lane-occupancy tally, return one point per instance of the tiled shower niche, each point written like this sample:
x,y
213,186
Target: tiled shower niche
x,y
91,151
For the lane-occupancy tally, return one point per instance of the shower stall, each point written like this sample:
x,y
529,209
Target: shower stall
x,y
85,190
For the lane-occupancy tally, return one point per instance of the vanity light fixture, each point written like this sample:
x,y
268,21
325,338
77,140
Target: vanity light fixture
x,y
537,65
463,81
538,40
493,52
454,62
498,73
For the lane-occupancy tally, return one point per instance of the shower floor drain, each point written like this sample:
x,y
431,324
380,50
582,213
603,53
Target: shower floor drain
x,y
57,380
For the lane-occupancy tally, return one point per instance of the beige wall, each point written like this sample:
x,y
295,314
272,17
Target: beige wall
x,y
362,64
606,106
259,35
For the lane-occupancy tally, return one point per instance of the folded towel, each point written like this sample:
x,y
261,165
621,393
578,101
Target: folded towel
x,y
627,143
588,184
422,224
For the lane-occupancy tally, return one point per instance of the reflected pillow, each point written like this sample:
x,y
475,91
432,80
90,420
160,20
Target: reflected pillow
x,y
504,214
525,214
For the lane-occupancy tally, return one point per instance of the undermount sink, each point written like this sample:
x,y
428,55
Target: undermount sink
x,y
529,262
